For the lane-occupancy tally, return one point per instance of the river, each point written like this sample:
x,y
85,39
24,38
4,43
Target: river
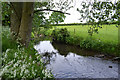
x,y
67,61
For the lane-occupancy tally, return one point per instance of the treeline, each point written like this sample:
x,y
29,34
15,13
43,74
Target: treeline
x,y
70,24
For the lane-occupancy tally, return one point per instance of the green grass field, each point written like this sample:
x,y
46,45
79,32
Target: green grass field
x,y
108,33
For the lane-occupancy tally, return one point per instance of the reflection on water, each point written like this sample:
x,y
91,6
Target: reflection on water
x,y
67,61
45,46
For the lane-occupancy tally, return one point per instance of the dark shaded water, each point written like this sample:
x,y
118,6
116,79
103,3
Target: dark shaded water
x,y
67,61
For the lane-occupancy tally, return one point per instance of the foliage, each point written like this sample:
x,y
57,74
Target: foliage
x,y
93,29
7,42
41,19
5,14
60,34
22,63
98,45
73,40
56,18
19,64
39,34
100,12
94,44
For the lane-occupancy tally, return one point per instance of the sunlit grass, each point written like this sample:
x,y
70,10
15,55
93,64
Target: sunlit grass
x,y
108,33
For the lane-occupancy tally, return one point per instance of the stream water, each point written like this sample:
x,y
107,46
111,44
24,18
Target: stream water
x,y
66,61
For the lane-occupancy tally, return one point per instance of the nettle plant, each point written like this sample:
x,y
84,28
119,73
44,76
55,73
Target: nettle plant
x,y
97,13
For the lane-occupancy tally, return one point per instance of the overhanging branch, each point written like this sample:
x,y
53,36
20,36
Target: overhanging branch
x,y
50,10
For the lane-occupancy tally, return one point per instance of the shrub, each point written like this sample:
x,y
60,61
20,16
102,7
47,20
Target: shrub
x,y
74,40
60,34
98,45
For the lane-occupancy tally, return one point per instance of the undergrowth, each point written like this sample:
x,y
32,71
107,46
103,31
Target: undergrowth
x,y
21,63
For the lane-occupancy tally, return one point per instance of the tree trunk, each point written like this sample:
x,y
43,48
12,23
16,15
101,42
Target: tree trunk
x,y
16,14
26,23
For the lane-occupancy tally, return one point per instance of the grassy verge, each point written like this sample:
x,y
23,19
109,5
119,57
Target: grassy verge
x,y
19,62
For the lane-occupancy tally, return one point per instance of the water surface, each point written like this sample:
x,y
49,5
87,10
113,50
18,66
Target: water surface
x,y
66,61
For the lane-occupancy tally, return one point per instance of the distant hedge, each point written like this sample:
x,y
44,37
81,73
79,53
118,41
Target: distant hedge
x,y
69,24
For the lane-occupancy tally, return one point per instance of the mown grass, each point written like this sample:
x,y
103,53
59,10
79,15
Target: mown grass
x,y
107,34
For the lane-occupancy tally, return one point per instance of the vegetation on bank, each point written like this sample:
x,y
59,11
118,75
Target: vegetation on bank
x,y
106,41
20,62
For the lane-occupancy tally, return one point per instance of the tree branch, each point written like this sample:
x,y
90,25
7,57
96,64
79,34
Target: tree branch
x,y
50,10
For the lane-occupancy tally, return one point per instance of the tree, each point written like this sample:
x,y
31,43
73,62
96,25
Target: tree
x,y
21,17
21,20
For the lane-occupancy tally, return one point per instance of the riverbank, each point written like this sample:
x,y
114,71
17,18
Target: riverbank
x,y
105,42
77,49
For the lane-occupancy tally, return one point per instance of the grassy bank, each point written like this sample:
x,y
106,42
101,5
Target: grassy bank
x,y
19,62
106,41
